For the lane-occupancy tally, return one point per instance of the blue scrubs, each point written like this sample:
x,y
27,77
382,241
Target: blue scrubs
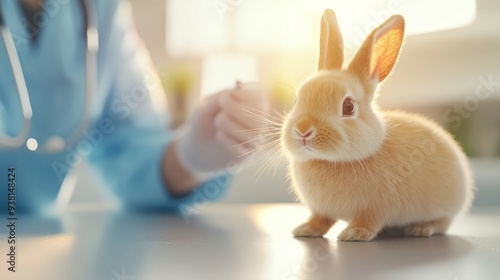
x,y
128,136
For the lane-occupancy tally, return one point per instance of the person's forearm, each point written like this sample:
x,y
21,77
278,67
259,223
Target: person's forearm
x,y
177,179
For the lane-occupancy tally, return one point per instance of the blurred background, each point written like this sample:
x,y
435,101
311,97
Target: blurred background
x,y
448,70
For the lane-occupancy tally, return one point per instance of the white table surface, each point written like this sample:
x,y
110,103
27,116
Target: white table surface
x,y
225,241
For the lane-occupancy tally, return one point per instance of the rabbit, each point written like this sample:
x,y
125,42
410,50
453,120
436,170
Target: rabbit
x,y
375,169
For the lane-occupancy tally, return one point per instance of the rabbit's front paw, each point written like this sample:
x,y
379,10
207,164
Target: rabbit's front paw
x,y
305,230
356,234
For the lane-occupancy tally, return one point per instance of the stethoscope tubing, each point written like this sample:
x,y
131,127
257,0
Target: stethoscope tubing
x,y
56,143
15,64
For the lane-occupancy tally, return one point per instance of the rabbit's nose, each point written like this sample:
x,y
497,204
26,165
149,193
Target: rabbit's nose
x,y
307,134
304,129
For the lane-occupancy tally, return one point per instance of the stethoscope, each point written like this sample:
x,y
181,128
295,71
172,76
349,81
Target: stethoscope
x,y
54,143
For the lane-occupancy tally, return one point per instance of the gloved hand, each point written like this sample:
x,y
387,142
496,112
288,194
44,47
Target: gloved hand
x,y
219,132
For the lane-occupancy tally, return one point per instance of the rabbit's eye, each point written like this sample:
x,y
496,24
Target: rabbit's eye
x,y
348,107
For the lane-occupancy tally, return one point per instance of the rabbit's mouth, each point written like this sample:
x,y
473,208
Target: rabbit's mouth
x,y
306,143
306,148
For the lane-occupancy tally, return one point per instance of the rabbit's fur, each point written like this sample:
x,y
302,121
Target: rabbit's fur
x,y
374,169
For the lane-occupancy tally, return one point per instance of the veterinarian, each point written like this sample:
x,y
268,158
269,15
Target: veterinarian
x,y
76,82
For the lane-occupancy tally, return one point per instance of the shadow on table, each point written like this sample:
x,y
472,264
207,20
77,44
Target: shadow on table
x,y
116,245
127,240
371,260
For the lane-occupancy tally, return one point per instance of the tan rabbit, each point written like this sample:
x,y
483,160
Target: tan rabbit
x,y
374,169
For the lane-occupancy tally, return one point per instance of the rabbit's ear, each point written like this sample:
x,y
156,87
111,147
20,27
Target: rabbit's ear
x,y
331,49
378,54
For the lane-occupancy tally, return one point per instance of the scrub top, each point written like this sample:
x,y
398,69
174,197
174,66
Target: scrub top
x,y
128,134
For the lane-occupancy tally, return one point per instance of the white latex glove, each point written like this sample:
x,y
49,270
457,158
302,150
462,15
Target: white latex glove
x,y
219,132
